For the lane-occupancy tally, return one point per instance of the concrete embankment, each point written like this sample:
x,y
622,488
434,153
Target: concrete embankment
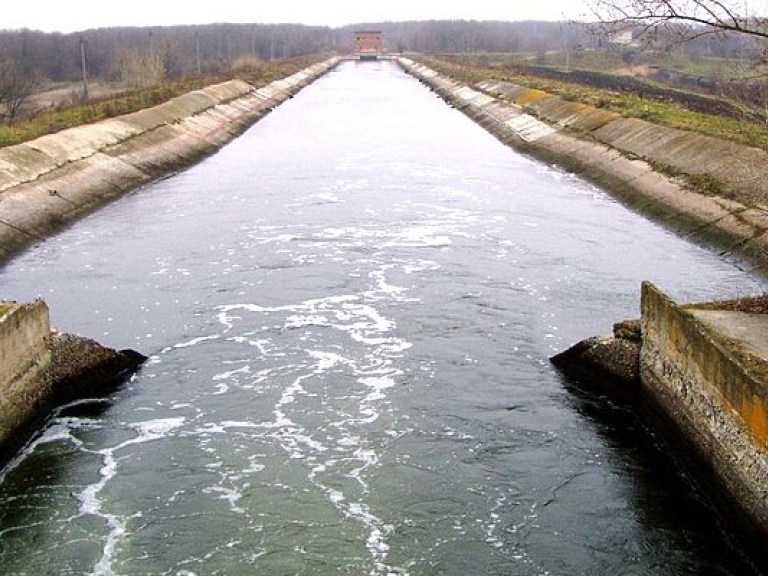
x,y
702,373
630,157
41,369
53,180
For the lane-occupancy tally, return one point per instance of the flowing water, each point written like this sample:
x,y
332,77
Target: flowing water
x,y
349,312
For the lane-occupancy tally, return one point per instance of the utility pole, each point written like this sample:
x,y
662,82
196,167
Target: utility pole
x,y
197,52
85,74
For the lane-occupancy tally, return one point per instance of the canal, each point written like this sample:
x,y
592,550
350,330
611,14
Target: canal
x,y
349,312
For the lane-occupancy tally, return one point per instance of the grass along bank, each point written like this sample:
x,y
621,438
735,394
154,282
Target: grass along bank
x,y
626,104
50,121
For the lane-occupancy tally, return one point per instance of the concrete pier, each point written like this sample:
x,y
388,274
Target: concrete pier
x,y
702,376
704,368
41,369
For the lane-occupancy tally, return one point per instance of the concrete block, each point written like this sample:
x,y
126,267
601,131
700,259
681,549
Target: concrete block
x,y
529,128
700,371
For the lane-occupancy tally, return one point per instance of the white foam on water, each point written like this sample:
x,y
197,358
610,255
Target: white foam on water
x,y
227,375
209,428
327,360
378,382
230,495
336,497
378,532
300,321
91,504
421,266
59,430
326,197
196,341
492,526
348,441
367,459
153,430
279,239
239,424
338,449
382,289
420,237
261,345
342,233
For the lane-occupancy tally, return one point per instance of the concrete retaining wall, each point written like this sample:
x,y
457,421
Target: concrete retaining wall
x,y
41,369
25,356
50,181
712,391
620,154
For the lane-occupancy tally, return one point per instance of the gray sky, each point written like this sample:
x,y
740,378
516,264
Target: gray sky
x,y
74,15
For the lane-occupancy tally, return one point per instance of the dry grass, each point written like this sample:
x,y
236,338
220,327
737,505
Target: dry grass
x,y
50,121
628,105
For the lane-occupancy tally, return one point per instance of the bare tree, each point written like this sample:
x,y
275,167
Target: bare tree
x,y
682,20
16,85
677,22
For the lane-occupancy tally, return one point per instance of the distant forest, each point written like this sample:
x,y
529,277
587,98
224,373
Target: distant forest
x,y
180,51
187,50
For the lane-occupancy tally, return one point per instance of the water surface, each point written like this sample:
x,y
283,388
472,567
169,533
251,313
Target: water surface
x,y
350,311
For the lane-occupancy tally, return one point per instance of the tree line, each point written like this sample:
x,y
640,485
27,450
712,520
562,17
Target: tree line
x,y
187,50
143,56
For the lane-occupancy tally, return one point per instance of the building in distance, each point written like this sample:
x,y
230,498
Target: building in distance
x,y
369,44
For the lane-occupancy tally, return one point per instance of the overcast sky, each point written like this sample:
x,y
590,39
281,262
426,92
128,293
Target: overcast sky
x,y
75,15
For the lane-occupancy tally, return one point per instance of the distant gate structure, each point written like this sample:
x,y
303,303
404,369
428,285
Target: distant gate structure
x,y
369,44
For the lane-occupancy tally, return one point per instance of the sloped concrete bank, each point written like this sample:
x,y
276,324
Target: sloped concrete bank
x,y
41,369
699,372
53,180
622,154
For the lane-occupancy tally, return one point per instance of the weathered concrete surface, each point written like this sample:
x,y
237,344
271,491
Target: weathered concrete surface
x,y
51,181
749,330
742,169
621,154
25,385
699,370
41,369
